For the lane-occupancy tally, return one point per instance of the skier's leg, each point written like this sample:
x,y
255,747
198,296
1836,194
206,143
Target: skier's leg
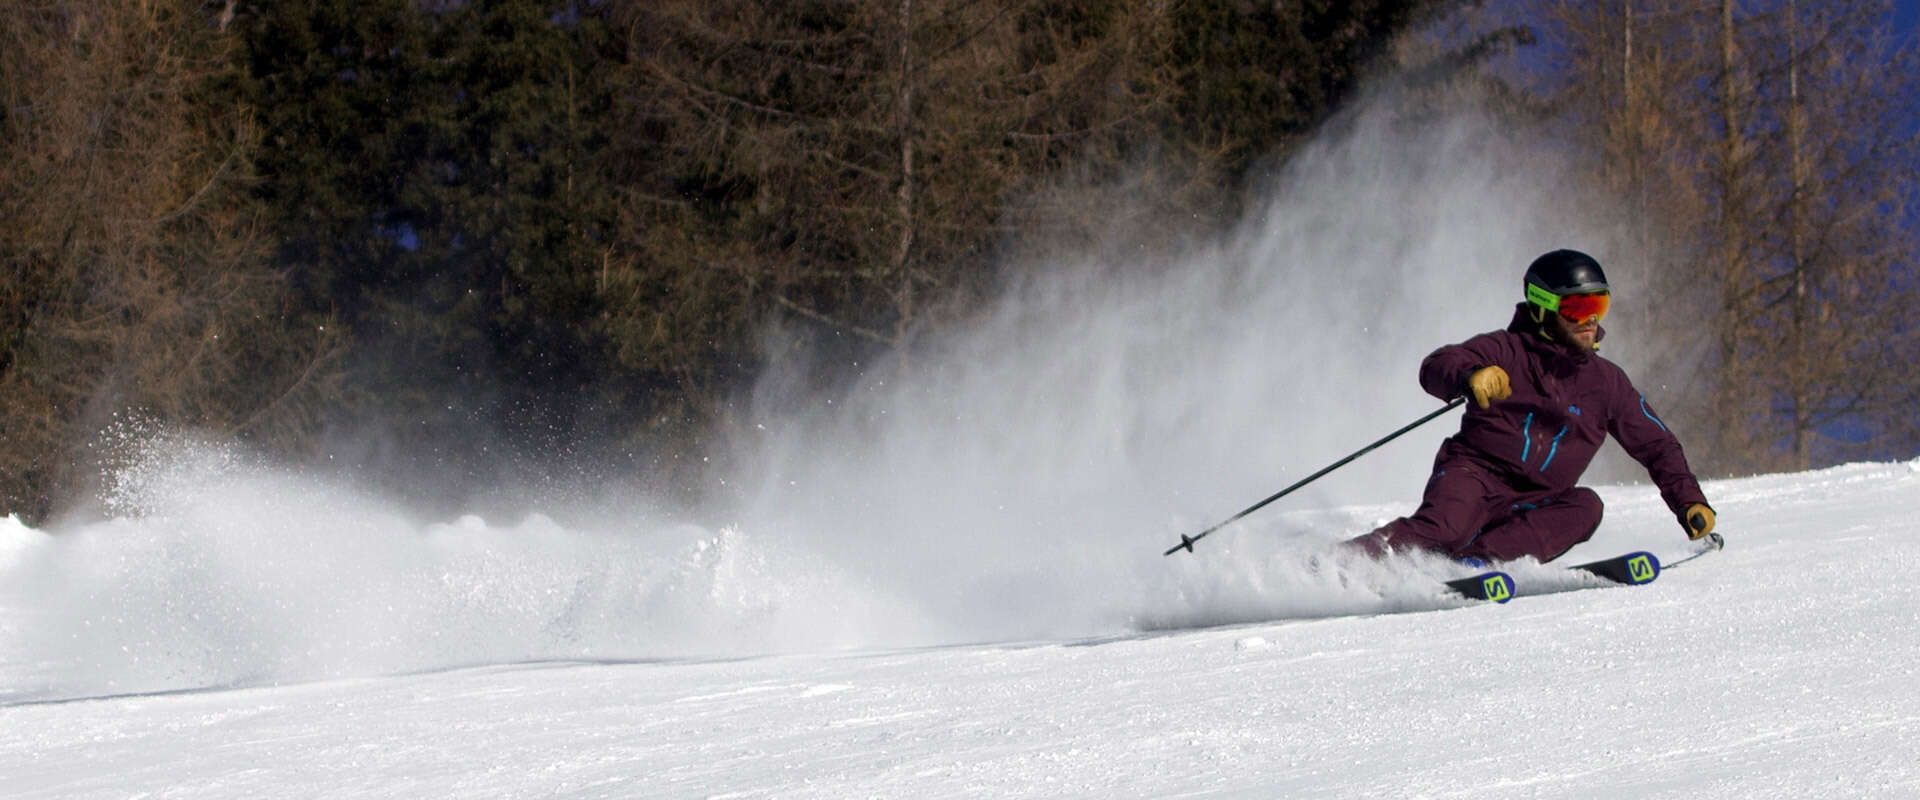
x,y
1460,498
1545,531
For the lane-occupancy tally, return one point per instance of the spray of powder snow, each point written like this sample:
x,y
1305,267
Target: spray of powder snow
x,y
225,572
1025,480
1019,483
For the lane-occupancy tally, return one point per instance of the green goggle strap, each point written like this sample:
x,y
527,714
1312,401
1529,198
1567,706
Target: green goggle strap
x,y
1543,298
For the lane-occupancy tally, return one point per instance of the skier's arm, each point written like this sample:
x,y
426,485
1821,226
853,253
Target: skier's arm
x,y
1444,373
1646,437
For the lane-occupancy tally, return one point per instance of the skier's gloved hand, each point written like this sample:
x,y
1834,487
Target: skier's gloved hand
x,y
1698,519
1489,385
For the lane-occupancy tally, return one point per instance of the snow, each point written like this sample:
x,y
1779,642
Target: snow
x,y
1783,666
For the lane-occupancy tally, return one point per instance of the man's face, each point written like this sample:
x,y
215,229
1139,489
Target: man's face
x,y
1584,334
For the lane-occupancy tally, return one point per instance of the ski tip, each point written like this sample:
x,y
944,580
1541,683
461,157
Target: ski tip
x,y
1633,569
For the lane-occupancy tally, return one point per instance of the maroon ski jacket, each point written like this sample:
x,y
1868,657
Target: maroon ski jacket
x,y
1565,401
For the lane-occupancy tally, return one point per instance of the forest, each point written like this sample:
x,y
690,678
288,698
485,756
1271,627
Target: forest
x,y
479,236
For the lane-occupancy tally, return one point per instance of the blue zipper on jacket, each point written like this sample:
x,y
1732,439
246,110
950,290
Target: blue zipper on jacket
x,y
1526,435
1551,451
1643,410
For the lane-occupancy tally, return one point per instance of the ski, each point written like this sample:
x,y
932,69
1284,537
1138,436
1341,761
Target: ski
x,y
1632,569
1494,585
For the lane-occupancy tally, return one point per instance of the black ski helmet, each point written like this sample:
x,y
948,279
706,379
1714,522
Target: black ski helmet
x,y
1564,272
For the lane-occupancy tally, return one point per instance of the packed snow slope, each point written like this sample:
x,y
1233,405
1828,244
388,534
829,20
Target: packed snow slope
x,y
1783,666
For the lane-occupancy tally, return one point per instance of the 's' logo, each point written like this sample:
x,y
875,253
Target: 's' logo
x,y
1640,568
1496,588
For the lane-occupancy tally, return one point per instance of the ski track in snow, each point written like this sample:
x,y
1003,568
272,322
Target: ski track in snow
x,y
1784,666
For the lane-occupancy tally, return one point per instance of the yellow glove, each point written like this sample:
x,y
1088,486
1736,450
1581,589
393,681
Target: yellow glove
x,y
1489,385
1699,520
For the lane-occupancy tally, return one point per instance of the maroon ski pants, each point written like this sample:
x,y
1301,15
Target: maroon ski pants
x,y
1470,512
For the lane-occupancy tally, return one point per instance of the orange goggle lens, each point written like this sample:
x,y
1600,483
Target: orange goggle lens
x,y
1582,307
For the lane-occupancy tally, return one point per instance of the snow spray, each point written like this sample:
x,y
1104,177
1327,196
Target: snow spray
x,y
1017,482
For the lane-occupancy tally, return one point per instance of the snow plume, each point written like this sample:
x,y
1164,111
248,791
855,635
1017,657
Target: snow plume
x,y
1024,479
1018,482
225,572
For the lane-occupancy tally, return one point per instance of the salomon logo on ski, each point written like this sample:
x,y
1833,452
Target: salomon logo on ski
x,y
1495,586
1632,569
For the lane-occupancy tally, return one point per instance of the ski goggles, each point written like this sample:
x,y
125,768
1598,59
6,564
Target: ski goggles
x,y
1574,307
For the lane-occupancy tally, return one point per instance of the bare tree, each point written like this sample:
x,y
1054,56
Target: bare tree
x,y
1762,143
134,277
847,168
1834,296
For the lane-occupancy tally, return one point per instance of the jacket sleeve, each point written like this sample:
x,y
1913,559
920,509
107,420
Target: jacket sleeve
x,y
1645,436
1444,373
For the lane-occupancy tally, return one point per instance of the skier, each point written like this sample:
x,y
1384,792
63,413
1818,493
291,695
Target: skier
x,y
1543,403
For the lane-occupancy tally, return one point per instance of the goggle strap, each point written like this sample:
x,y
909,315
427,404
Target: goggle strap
x,y
1543,298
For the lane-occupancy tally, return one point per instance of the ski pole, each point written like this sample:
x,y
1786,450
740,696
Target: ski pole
x,y
1186,542
1714,544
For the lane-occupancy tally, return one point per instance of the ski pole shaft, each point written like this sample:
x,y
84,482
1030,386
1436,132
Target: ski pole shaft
x,y
1714,544
1186,542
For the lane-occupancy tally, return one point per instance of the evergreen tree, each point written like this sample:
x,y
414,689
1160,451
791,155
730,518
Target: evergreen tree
x,y
432,171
